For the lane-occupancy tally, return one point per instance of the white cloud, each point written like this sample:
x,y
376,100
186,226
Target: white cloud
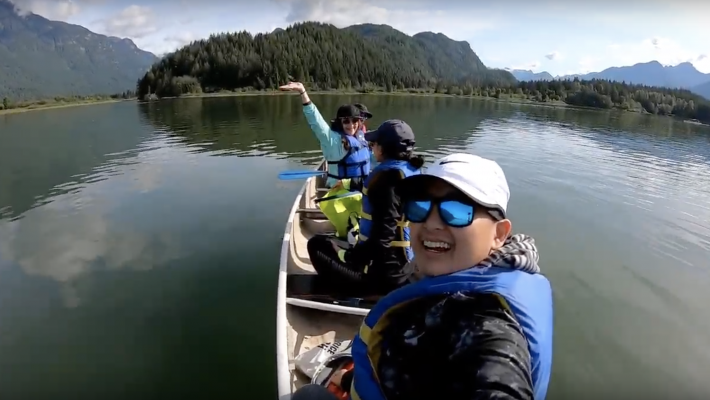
x,y
74,234
57,10
62,245
555,55
134,22
181,39
408,19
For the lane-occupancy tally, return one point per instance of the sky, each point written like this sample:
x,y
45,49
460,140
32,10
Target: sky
x,y
542,35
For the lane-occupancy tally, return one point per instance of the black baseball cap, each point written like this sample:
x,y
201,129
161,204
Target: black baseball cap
x,y
392,132
363,110
348,111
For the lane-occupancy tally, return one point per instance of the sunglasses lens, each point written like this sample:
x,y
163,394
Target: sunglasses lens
x,y
417,211
456,214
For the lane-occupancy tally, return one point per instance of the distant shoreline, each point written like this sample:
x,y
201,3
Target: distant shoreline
x,y
550,104
250,93
49,106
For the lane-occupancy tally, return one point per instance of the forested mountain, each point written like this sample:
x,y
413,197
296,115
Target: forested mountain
x,y
376,57
323,56
444,57
703,90
40,58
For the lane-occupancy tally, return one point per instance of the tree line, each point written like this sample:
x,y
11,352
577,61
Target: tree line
x,y
9,103
328,58
320,55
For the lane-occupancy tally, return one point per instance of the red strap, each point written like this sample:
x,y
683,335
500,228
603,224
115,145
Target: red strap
x,y
336,389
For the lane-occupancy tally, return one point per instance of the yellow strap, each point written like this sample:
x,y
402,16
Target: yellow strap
x,y
394,243
368,217
365,333
505,304
364,191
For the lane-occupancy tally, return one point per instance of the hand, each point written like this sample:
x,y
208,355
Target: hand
x,y
338,185
293,87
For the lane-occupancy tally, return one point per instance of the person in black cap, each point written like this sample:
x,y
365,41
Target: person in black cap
x,y
365,114
379,262
341,140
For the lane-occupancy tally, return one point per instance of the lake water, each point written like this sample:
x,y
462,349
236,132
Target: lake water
x,y
139,243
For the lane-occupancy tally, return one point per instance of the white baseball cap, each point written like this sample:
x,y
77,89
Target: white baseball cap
x,y
480,179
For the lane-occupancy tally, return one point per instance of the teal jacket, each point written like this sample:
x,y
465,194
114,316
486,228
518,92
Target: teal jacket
x,y
330,141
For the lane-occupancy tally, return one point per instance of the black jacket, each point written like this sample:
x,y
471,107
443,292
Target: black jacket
x,y
461,346
388,263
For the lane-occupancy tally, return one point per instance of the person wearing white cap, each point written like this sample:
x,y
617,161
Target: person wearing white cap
x,y
478,324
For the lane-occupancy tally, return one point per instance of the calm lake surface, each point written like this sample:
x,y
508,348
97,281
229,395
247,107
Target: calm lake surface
x,y
139,243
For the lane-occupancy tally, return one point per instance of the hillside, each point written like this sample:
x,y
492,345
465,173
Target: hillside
x,y
652,73
527,75
702,90
321,55
444,57
40,58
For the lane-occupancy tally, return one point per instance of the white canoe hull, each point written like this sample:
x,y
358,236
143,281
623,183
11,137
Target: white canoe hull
x,y
302,323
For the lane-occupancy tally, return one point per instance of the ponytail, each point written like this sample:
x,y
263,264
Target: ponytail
x,y
416,161
395,153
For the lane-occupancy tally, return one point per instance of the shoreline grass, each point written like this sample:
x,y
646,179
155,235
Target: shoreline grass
x,y
48,105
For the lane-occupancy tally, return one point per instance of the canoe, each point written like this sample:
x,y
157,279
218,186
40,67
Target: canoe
x,y
307,316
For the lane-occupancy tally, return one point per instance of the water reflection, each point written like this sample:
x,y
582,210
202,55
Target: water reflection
x,y
43,154
80,226
148,269
265,125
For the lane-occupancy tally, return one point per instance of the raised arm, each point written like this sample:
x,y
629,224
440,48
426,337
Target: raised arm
x,y
318,125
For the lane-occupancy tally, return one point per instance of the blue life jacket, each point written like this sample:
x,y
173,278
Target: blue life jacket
x,y
402,238
527,296
356,163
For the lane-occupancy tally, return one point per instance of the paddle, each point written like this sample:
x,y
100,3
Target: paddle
x,y
296,175
337,196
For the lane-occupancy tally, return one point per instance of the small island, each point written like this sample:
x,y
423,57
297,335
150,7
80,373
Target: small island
x,y
379,59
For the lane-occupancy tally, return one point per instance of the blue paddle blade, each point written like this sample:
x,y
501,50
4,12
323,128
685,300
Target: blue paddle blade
x,y
296,175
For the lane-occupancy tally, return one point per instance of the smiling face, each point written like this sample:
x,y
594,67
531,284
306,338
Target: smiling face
x,y
350,125
440,249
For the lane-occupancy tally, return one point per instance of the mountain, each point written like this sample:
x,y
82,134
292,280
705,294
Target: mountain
x,y
527,75
702,90
652,73
40,58
444,56
322,56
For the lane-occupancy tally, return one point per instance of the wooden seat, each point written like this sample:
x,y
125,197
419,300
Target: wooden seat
x,y
311,213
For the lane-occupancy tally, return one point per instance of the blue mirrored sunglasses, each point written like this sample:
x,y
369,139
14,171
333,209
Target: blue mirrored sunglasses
x,y
454,213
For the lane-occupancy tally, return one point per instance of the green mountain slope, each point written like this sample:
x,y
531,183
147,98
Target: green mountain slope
x,y
40,58
321,55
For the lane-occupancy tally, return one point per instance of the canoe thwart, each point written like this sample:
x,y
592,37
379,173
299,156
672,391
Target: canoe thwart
x,y
313,287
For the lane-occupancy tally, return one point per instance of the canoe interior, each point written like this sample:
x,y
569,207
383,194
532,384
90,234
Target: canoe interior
x,y
307,328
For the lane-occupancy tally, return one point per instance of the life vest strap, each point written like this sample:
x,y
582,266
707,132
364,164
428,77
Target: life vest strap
x,y
394,243
364,215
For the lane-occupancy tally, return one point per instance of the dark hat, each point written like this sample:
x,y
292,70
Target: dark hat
x,y
363,110
348,111
392,132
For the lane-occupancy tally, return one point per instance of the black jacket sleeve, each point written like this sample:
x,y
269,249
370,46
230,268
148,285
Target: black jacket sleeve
x,y
466,347
386,208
